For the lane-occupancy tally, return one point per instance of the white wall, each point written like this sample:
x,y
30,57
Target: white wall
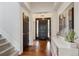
x,y
54,24
10,24
1,16
31,30
76,18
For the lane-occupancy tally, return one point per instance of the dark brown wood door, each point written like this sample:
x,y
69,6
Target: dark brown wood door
x,y
25,31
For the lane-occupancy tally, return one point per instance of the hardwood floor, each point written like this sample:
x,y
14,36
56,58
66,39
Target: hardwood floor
x,y
39,48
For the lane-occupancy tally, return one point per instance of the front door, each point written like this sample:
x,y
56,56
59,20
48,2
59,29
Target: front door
x,y
43,28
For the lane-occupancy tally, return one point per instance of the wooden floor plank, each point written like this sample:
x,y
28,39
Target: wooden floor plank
x,y
39,48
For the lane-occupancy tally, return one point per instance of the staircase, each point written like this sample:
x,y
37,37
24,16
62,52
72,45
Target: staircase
x,y
6,49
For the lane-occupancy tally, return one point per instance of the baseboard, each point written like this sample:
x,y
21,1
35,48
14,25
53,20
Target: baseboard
x,y
20,52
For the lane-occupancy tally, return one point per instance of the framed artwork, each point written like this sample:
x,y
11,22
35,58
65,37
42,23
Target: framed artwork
x,y
62,23
71,19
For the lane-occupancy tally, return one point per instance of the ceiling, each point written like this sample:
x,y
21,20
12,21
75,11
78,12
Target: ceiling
x,y
44,7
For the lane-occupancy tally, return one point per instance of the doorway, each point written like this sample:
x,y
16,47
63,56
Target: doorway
x,y
43,28
25,31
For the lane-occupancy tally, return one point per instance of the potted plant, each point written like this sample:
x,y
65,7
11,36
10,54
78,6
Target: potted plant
x,y
71,38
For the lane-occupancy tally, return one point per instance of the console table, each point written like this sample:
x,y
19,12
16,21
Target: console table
x,y
59,47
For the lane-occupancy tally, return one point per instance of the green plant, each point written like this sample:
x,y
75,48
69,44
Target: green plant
x,y
70,37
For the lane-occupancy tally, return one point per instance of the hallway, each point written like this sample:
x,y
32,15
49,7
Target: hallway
x,y
27,21
39,48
